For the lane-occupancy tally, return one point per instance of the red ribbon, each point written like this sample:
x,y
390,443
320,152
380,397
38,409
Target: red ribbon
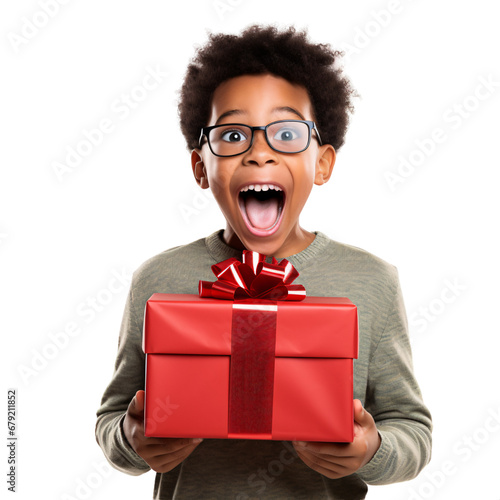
x,y
253,334
253,278
251,376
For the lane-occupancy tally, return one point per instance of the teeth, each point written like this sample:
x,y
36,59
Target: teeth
x,y
261,187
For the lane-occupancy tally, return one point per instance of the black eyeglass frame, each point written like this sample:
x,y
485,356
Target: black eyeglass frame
x,y
205,131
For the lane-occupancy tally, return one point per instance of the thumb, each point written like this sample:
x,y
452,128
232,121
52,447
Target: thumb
x,y
136,406
361,416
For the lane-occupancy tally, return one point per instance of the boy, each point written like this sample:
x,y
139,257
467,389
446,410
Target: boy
x,y
286,89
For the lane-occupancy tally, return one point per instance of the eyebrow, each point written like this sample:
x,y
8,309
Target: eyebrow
x,y
280,109
288,109
231,112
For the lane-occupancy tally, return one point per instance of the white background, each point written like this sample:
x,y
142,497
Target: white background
x,y
416,64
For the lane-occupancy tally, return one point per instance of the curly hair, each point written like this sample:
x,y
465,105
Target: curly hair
x,y
266,50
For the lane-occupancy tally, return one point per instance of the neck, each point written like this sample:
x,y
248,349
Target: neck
x,y
296,241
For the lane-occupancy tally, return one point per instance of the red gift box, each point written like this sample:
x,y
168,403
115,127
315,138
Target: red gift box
x,y
250,369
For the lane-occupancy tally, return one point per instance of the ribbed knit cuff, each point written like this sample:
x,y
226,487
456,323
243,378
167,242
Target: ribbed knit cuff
x,y
129,453
373,472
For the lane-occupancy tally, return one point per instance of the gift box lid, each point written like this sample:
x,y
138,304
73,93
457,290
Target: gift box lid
x,y
325,327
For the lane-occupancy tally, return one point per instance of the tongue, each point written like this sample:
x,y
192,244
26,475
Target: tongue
x,y
262,214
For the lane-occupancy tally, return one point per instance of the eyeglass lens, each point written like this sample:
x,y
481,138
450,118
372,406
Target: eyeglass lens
x,y
287,137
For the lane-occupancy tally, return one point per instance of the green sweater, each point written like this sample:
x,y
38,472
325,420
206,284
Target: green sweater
x,y
244,469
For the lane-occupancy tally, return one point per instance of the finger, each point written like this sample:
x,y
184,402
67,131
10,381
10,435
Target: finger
x,y
159,452
166,462
171,446
343,450
165,466
342,465
330,470
173,453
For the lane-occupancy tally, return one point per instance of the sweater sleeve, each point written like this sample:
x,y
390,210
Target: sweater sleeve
x,y
127,379
394,400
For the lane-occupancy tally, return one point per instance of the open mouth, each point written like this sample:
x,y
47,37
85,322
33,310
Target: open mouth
x,y
261,206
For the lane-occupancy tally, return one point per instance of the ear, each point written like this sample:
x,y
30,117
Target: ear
x,y
199,171
324,164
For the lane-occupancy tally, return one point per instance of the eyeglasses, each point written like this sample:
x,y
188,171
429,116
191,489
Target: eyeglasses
x,y
284,136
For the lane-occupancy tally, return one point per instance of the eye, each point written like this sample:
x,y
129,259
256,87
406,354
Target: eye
x,y
287,134
233,135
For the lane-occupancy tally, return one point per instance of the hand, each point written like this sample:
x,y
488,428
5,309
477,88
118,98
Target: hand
x,y
161,454
335,460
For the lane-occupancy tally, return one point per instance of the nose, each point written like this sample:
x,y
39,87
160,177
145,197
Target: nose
x,y
260,153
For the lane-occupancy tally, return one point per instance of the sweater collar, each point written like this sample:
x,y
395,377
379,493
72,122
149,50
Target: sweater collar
x,y
220,251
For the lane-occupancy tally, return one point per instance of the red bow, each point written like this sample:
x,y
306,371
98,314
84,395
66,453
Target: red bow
x,y
253,278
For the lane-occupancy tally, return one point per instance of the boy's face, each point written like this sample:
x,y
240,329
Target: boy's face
x,y
266,221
